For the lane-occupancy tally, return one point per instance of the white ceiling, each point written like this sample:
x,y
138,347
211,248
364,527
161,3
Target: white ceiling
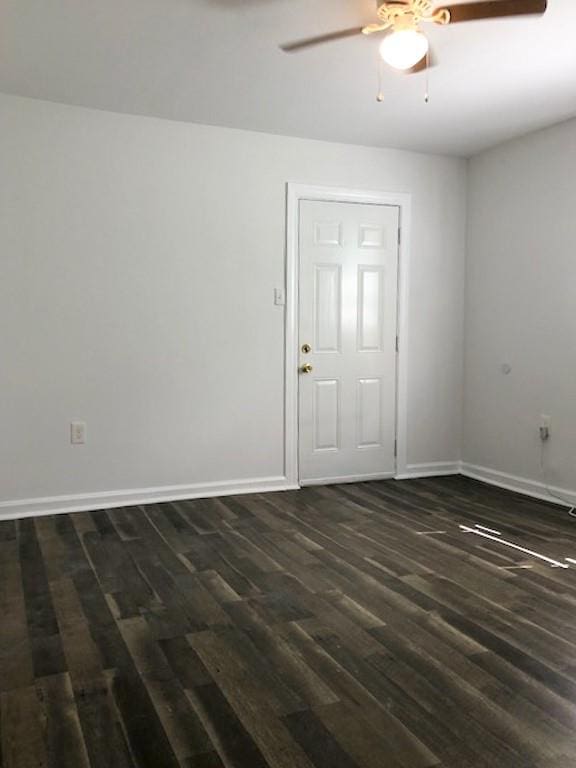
x,y
217,62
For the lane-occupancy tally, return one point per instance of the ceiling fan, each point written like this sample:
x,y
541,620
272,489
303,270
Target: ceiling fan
x,y
405,47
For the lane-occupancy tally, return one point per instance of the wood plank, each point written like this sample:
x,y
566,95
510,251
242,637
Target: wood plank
x,y
23,724
65,742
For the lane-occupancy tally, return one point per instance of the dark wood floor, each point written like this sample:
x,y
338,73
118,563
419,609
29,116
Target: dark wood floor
x,y
347,627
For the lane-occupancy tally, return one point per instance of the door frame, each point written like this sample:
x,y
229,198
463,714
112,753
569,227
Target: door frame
x,y
296,193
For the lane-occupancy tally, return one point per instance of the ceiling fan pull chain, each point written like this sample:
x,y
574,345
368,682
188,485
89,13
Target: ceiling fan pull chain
x,y
427,94
380,97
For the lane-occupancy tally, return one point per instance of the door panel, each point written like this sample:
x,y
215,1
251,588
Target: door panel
x,y
369,413
327,307
370,309
327,414
348,308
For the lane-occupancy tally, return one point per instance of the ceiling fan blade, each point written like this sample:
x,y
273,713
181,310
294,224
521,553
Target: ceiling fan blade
x,y
299,45
493,9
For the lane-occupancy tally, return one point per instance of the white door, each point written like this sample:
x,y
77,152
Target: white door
x,y
347,339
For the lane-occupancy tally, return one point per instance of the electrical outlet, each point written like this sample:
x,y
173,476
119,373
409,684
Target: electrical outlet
x,y
544,427
78,432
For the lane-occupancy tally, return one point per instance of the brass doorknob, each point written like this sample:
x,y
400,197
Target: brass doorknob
x,y
306,368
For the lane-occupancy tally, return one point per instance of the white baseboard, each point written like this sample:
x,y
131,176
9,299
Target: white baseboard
x,y
523,485
434,469
53,505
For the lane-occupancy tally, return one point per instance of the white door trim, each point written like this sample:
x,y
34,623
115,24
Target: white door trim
x,y
295,193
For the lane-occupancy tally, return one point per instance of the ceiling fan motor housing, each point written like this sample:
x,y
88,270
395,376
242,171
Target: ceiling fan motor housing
x,y
410,13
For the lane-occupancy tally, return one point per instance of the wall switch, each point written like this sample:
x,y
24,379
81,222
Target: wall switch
x,y
279,297
78,432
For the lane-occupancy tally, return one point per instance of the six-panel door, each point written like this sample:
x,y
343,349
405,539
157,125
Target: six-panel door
x,y
348,314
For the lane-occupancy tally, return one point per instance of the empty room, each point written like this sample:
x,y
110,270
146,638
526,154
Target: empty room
x,y
287,384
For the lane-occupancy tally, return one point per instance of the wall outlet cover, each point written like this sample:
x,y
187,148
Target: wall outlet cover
x,y
78,432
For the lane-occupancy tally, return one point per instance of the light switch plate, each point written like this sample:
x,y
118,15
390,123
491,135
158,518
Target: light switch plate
x,y
279,297
78,432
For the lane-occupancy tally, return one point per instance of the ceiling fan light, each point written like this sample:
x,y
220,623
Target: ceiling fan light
x,y
404,49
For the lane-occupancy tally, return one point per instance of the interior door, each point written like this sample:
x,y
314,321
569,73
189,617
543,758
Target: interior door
x,y
348,296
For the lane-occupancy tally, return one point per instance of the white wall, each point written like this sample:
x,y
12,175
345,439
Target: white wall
x,y
521,306
138,259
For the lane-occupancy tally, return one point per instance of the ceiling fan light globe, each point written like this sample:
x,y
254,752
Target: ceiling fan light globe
x,y
404,49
